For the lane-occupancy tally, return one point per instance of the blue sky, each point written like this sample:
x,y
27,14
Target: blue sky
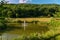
x,y
38,1
44,1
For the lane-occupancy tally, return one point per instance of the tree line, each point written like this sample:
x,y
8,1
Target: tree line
x,y
29,10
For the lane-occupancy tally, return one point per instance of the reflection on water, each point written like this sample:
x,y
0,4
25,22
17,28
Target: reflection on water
x,y
6,36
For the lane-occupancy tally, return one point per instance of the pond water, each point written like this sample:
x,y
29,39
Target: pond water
x,y
6,36
15,32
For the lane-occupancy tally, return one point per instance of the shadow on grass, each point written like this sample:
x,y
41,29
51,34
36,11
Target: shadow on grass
x,y
4,29
12,28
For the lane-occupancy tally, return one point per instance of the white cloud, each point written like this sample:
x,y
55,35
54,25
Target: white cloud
x,y
8,1
24,1
19,1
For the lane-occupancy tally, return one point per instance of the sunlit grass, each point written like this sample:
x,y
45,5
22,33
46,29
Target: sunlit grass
x,y
36,31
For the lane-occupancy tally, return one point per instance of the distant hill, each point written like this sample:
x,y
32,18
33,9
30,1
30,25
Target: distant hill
x,y
29,10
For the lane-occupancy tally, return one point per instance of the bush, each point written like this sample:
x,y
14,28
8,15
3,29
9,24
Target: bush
x,y
3,25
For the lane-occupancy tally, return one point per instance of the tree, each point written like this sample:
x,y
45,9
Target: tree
x,y
3,2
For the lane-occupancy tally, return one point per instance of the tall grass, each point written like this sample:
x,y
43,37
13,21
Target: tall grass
x,y
52,34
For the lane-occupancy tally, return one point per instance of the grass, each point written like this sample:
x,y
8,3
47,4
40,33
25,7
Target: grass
x,y
52,31
40,27
31,28
42,30
29,19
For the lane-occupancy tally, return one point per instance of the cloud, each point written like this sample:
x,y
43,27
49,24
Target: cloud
x,y
12,1
9,1
18,1
24,1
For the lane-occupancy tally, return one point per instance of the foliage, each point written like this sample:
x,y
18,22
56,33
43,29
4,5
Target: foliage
x,y
3,25
29,10
37,36
52,34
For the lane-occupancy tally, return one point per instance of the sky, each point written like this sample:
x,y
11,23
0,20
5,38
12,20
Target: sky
x,y
35,1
